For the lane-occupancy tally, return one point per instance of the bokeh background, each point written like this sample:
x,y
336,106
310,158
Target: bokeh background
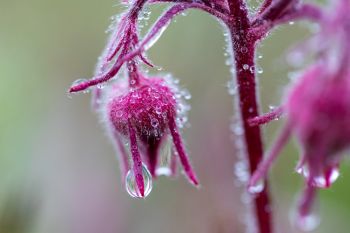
x,y
58,172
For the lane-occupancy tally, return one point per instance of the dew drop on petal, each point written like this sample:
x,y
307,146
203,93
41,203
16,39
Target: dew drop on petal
x,y
334,175
154,122
158,110
258,187
79,81
131,186
325,180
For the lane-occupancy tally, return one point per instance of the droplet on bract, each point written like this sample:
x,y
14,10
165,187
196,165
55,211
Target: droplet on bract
x,y
305,222
322,180
308,223
165,159
131,186
258,187
326,180
80,81
163,171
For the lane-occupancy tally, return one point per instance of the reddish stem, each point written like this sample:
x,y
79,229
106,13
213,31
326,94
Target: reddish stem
x,y
249,109
244,54
266,118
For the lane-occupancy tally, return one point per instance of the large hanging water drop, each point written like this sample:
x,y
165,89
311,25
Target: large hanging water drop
x,y
131,186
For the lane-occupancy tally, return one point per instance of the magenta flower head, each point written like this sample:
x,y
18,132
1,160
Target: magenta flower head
x,y
317,109
318,113
141,114
143,117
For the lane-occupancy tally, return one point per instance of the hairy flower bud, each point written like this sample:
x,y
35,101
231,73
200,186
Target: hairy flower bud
x,y
144,116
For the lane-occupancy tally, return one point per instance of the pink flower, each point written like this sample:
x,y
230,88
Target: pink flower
x,y
318,113
317,109
144,116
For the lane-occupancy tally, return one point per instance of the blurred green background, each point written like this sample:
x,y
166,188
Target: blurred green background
x,y
58,172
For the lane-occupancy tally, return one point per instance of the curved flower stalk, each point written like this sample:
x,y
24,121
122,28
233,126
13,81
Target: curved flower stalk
x,y
317,110
132,119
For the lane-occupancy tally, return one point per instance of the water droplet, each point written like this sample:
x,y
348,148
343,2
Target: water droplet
x,y
291,23
154,122
259,70
272,107
326,179
334,174
159,68
100,86
79,81
165,158
186,94
232,88
237,129
241,171
163,171
158,110
245,66
119,113
257,187
323,180
131,186
244,49
156,95
296,58
308,223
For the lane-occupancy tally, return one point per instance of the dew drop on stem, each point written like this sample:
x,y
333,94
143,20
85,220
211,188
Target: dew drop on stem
x,y
258,187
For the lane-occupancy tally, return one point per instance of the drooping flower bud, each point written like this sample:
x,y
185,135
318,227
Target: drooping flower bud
x,y
318,113
317,110
143,117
